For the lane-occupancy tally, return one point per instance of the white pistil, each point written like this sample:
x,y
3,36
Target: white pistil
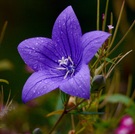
x,y
63,61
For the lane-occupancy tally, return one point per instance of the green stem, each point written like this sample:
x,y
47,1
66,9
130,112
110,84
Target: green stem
x,y
117,25
72,121
132,25
58,121
60,118
3,31
72,108
98,16
65,112
105,17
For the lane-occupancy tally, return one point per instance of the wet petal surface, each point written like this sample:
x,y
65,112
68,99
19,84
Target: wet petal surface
x,y
40,83
79,85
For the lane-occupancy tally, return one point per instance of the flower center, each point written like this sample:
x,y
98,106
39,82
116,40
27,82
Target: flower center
x,y
67,65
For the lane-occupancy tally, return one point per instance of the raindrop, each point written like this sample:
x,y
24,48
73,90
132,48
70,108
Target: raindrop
x,y
84,94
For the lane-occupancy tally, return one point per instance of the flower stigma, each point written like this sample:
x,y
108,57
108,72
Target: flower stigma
x,y
67,64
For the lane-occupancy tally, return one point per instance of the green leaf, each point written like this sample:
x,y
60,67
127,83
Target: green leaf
x,y
109,60
64,97
6,65
55,112
117,98
85,112
4,81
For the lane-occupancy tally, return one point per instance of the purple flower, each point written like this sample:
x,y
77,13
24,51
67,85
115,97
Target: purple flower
x,y
61,61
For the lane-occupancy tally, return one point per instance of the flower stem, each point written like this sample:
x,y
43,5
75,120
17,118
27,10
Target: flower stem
x,y
98,8
65,111
60,118
130,28
72,108
105,17
117,25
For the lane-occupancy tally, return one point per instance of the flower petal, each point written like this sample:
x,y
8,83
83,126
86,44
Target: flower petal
x,y
78,85
40,83
39,53
91,42
67,34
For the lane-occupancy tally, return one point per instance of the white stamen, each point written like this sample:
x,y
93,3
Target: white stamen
x,y
68,65
61,68
66,74
70,60
73,72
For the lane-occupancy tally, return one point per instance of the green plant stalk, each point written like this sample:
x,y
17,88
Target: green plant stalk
x,y
111,22
3,31
117,63
98,12
129,85
2,96
72,108
72,122
78,132
105,17
65,111
130,28
117,25
60,118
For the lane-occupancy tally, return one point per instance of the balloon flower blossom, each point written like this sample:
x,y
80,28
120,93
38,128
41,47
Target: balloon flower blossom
x,y
62,61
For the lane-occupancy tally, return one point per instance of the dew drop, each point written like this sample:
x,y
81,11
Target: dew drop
x,y
84,94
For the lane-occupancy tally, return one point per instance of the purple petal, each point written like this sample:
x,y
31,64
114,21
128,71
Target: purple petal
x,y
67,34
91,42
39,53
40,83
78,85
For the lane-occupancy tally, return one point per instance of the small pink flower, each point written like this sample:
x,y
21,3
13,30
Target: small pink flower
x,y
127,121
110,27
126,126
122,130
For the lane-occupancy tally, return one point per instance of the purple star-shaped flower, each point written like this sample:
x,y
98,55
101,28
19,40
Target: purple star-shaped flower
x,y
61,61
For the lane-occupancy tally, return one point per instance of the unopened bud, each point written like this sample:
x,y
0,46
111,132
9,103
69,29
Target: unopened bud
x,y
37,131
98,83
71,101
